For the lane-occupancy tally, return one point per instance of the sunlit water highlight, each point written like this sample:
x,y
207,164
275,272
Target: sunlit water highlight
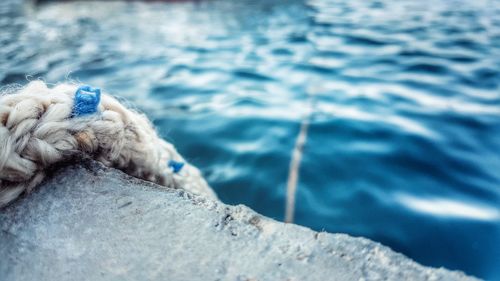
x,y
403,145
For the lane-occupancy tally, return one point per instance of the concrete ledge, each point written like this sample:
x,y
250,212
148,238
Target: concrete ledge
x,y
88,222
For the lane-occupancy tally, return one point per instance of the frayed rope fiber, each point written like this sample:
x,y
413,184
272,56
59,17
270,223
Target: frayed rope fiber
x,y
41,126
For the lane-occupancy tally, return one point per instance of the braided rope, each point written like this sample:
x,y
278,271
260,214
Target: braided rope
x,y
40,126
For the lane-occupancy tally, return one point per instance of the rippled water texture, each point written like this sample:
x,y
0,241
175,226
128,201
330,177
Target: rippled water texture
x,y
404,139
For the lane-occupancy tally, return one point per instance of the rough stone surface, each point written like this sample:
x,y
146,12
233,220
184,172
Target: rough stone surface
x,y
88,222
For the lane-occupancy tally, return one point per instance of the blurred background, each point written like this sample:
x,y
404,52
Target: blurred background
x,y
404,138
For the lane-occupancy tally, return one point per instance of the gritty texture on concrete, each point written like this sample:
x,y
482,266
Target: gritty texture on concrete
x,y
88,222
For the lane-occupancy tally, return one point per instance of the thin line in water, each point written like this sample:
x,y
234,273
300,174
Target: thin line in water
x,y
293,174
293,171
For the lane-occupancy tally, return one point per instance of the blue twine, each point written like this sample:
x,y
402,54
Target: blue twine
x,y
176,166
86,101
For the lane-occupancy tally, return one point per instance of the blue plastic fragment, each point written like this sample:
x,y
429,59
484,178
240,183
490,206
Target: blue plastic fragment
x,y
176,166
86,101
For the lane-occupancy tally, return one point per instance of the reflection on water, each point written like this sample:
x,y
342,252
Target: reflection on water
x,y
404,141
449,209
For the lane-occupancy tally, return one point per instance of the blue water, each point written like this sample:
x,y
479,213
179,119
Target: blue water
x,y
404,142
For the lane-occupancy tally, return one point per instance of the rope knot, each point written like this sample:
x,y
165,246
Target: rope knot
x,y
86,101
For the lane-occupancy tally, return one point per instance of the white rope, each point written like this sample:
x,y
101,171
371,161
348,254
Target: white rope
x,y
38,129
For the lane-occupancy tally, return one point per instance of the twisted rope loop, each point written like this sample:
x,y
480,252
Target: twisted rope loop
x,y
40,127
